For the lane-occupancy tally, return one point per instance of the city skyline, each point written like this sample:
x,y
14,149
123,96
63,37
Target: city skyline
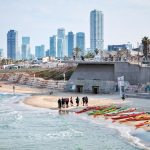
x,y
125,22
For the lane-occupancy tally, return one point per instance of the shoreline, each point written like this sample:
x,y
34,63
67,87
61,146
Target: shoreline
x,y
40,98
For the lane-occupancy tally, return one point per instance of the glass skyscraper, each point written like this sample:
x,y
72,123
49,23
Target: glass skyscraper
x,y
39,51
80,42
53,46
96,30
1,53
60,42
70,43
25,48
12,44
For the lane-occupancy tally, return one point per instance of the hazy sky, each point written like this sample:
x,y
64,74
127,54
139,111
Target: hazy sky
x,y
124,20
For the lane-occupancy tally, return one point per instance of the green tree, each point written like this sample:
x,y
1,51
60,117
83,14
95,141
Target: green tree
x,y
145,43
96,51
3,61
76,51
89,55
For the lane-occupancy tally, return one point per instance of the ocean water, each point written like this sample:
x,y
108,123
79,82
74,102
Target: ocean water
x,y
27,128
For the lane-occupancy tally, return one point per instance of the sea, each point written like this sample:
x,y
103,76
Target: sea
x,y
24,127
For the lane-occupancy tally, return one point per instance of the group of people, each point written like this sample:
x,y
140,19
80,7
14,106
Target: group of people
x,y
64,102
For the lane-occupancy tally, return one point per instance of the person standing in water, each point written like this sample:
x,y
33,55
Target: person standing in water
x,y
71,101
59,103
77,101
86,101
123,97
14,89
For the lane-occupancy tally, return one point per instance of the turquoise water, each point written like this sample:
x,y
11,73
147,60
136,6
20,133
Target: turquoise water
x,y
26,128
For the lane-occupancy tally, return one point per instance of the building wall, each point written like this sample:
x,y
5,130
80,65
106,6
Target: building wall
x,y
133,73
119,47
104,75
97,72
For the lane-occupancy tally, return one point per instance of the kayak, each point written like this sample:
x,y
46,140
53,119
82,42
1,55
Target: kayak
x,y
101,111
121,111
90,108
104,112
127,116
142,124
139,117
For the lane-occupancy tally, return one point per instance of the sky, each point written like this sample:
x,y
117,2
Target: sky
x,y
124,20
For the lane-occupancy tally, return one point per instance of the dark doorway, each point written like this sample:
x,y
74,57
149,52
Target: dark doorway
x,y
95,89
79,88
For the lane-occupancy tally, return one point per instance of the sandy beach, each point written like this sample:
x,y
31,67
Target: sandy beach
x,y
40,98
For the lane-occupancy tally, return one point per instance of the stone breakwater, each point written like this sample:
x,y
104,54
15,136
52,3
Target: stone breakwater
x,y
26,79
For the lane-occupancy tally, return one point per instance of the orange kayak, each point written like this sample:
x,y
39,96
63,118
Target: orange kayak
x,y
137,118
127,116
142,124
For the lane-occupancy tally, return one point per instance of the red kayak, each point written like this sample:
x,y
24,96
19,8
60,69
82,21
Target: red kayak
x,y
92,108
142,124
127,116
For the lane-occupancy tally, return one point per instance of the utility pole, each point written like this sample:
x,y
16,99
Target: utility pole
x,y
138,51
64,77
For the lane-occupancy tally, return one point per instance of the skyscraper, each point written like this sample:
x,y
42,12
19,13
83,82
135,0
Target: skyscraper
x,y
25,48
39,51
12,44
66,46
60,42
80,42
96,30
53,46
1,53
70,43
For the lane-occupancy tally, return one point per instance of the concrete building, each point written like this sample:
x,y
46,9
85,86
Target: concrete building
x,y
60,42
39,51
12,44
96,30
101,77
120,47
25,48
70,43
80,42
53,46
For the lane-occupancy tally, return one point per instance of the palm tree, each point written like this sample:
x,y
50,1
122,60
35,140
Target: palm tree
x,y
96,51
77,50
145,43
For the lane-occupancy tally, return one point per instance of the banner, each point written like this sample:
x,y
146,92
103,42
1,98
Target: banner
x,y
121,85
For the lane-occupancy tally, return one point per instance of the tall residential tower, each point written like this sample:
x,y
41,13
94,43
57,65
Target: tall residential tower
x,y
96,30
25,48
60,42
70,43
80,42
53,46
12,44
